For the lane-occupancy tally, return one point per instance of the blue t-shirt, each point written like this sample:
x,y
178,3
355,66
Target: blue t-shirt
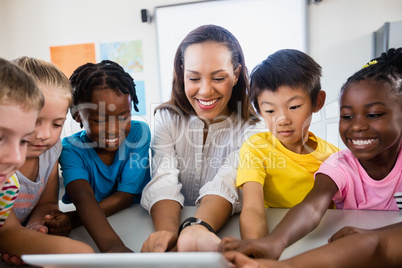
x,y
128,173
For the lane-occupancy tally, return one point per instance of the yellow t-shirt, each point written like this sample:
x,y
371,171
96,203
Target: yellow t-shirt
x,y
286,176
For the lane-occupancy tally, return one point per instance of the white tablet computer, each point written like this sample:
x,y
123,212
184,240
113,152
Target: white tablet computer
x,y
129,260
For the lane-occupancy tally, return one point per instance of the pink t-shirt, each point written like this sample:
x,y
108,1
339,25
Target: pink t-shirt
x,y
356,190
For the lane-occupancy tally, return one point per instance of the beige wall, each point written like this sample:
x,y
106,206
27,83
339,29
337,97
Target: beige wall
x,y
339,36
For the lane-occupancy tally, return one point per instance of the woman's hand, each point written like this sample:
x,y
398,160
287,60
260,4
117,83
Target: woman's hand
x,y
197,238
160,241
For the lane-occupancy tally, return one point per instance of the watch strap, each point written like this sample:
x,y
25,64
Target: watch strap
x,y
195,221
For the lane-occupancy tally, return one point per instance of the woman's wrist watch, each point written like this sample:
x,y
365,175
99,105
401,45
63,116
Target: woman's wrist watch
x,y
195,221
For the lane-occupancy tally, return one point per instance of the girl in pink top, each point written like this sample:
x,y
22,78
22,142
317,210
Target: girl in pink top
x,y
367,175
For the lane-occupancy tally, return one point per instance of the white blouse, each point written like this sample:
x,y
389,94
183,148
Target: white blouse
x,y
185,170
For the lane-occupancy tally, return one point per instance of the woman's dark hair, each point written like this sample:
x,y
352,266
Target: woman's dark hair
x,y
211,34
104,75
286,67
387,68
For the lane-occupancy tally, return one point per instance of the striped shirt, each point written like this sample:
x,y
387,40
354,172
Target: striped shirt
x,y
8,195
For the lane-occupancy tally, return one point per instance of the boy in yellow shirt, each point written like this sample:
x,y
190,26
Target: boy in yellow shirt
x,y
277,168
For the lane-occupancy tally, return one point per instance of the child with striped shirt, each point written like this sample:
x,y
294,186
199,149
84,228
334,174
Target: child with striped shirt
x,y
20,103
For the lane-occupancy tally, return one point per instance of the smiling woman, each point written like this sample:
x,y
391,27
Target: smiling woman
x,y
209,80
196,139
289,16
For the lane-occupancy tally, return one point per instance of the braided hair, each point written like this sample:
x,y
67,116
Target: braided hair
x,y
386,68
104,75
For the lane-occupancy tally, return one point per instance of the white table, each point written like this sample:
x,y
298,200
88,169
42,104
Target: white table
x,y
134,225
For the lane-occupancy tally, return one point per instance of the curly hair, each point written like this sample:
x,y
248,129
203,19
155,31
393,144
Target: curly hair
x,y
104,75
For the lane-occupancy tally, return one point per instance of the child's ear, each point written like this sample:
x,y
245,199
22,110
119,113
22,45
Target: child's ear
x,y
77,118
320,101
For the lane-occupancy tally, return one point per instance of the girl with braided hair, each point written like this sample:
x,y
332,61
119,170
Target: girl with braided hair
x,y
367,175
106,166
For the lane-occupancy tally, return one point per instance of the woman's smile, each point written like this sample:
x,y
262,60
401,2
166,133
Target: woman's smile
x,y
208,104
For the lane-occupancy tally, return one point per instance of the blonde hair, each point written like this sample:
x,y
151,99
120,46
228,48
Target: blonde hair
x,y
47,74
17,87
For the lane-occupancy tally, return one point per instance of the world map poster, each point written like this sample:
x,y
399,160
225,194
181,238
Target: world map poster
x,y
129,55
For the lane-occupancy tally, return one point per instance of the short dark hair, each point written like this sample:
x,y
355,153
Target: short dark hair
x,y
387,68
286,67
211,34
104,75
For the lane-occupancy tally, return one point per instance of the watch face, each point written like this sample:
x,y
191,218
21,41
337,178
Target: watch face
x,y
197,221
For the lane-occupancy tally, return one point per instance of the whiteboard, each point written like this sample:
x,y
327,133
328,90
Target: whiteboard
x,y
261,26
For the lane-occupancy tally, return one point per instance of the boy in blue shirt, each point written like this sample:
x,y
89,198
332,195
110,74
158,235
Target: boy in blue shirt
x,y
106,166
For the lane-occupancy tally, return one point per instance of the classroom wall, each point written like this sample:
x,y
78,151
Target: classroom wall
x,y
341,42
339,37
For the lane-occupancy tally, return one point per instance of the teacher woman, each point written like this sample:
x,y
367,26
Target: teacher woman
x,y
195,143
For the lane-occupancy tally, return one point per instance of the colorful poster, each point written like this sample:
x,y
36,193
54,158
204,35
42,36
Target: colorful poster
x,y
127,54
69,57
